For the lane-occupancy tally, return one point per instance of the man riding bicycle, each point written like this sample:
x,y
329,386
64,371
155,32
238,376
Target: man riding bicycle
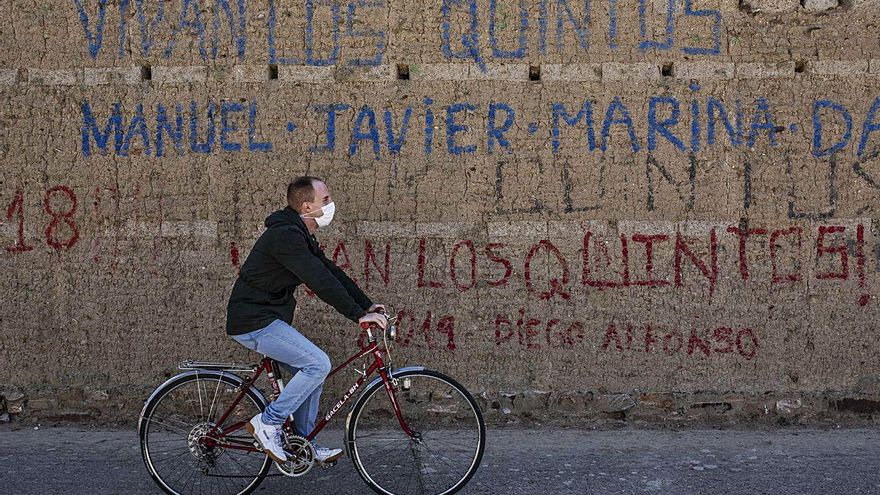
x,y
261,307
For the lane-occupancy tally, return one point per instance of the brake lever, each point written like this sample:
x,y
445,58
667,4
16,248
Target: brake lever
x,y
389,319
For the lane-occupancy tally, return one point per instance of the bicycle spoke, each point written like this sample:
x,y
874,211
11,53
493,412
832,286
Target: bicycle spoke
x,y
226,481
417,474
175,457
199,392
399,461
169,440
239,464
374,435
170,416
183,468
211,409
454,447
192,473
380,452
184,432
442,460
413,478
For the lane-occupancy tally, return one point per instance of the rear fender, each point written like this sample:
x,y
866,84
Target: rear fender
x,y
239,381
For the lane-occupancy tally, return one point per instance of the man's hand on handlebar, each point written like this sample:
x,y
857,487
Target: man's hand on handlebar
x,y
377,308
377,319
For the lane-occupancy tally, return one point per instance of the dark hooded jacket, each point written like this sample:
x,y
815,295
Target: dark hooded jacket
x,y
284,256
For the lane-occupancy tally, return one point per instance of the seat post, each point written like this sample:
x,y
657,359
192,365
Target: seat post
x,y
276,372
273,372
277,382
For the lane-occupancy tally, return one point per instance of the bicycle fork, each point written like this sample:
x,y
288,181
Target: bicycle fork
x,y
390,383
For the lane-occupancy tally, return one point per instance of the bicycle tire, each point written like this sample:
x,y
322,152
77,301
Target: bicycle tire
x,y
367,410
174,384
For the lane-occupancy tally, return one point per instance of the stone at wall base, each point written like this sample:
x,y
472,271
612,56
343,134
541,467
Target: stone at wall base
x,y
820,5
616,403
42,404
769,6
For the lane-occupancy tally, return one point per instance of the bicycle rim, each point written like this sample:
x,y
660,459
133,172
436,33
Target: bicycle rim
x,y
180,415
446,419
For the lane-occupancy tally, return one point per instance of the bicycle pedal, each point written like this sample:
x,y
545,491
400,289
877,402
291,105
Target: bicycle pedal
x,y
328,465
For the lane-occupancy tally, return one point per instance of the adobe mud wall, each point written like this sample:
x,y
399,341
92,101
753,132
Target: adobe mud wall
x,y
664,211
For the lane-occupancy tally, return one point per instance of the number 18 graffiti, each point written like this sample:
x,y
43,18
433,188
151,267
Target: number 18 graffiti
x,y
53,238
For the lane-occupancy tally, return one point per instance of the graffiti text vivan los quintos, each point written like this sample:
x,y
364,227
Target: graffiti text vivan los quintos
x,y
614,261
355,33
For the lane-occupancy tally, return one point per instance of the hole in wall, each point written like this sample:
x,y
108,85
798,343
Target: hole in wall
x,y
534,73
403,72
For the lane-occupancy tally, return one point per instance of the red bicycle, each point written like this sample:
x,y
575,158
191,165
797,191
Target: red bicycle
x,y
411,431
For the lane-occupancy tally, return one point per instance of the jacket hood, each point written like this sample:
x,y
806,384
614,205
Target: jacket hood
x,y
285,216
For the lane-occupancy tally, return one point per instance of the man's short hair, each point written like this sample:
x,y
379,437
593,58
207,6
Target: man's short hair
x,y
301,190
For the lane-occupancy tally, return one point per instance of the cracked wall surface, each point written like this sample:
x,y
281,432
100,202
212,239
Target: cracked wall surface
x,y
563,201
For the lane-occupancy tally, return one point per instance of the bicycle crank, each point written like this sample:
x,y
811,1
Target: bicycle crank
x,y
300,456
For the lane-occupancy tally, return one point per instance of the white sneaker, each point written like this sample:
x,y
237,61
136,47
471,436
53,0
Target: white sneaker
x,y
269,437
325,455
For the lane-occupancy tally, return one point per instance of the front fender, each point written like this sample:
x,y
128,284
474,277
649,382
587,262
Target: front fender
x,y
393,374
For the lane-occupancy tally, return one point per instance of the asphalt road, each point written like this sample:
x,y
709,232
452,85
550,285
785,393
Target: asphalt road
x,y
517,461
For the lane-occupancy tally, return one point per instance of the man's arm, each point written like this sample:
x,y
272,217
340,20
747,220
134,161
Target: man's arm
x,y
292,251
353,290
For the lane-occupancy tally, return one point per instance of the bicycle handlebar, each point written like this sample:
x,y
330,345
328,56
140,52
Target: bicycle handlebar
x,y
388,332
368,326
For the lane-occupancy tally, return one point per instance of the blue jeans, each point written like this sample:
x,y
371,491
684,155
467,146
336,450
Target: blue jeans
x,y
308,364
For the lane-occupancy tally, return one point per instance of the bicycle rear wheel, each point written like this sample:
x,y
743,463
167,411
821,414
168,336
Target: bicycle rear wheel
x,y
448,443
178,415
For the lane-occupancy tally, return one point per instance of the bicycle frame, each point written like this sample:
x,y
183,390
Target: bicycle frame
x,y
218,435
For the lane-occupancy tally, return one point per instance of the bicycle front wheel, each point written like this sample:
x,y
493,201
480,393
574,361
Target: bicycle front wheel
x,y
449,435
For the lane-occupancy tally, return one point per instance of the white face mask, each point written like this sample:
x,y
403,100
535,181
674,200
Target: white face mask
x,y
327,215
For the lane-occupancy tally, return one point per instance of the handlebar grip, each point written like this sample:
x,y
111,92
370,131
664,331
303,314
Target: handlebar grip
x,y
365,325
